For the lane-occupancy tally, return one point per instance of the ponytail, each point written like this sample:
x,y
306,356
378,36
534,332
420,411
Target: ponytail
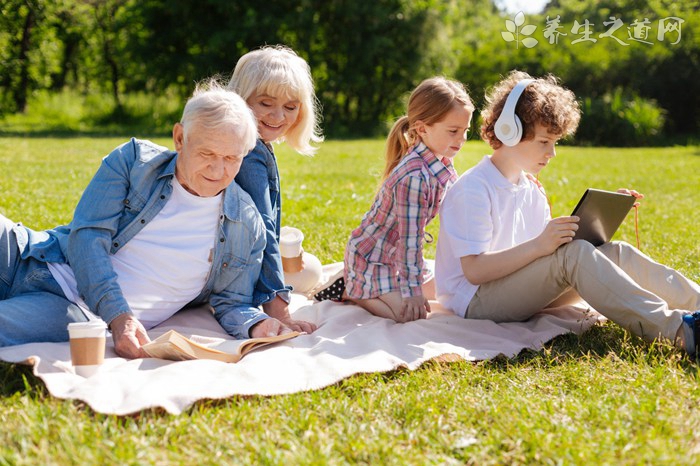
x,y
396,145
429,103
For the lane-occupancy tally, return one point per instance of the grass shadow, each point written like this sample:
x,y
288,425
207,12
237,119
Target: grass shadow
x,y
19,378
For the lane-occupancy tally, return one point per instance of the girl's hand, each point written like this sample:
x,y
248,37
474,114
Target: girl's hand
x,y
631,192
413,308
560,230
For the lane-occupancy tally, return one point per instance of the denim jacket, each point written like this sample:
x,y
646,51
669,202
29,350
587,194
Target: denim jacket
x,y
131,186
259,177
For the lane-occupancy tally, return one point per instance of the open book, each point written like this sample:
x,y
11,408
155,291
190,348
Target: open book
x,y
176,347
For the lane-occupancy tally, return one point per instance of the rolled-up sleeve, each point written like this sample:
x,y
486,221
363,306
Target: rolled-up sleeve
x,y
411,201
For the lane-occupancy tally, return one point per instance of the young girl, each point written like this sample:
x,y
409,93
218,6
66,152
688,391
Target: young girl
x,y
384,257
277,85
501,256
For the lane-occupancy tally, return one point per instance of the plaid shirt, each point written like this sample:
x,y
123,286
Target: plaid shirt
x,y
385,253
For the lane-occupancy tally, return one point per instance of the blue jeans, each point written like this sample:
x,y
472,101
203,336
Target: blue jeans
x,y
33,307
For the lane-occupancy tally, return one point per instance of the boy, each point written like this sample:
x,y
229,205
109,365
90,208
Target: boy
x,y
500,255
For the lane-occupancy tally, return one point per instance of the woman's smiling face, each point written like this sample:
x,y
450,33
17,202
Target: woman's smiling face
x,y
275,115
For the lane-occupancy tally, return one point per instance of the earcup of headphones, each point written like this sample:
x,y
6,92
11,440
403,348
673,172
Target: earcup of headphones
x,y
509,130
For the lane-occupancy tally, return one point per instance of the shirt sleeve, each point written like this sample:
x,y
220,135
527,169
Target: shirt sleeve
x,y
234,307
412,211
253,178
465,220
95,222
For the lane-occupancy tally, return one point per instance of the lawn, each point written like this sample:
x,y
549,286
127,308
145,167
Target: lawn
x,y
603,398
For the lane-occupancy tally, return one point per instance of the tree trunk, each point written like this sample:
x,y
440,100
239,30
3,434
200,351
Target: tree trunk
x,y
23,88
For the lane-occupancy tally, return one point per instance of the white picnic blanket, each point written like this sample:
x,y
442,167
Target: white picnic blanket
x,y
348,341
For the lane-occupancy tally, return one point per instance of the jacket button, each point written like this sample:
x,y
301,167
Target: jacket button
x,y
162,196
126,201
143,221
224,265
116,245
222,240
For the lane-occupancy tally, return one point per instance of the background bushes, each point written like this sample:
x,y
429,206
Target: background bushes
x,y
120,58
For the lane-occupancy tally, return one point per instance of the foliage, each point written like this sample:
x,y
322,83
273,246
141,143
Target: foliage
x,y
620,120
365,56
603,398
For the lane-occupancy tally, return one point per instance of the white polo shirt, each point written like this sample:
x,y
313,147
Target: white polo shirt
x,y
483,212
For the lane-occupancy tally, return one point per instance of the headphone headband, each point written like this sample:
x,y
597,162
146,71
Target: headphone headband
x,y
514,96
508,127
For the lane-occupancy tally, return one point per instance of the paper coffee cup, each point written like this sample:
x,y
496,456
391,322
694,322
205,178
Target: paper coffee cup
x,y
87,346
290,242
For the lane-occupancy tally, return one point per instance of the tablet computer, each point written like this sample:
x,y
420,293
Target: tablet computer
x,y
601,213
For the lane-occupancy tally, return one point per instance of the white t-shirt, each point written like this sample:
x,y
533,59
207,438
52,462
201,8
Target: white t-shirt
x,y
483,212
166,264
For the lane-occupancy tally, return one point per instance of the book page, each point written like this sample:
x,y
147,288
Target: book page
x,y
176,347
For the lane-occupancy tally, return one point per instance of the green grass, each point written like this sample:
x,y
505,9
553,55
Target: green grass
x,y
603,398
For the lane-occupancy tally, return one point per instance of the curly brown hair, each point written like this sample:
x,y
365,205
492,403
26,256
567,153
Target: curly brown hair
x,y
544,102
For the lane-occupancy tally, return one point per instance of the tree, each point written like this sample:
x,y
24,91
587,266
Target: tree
x,y
20,19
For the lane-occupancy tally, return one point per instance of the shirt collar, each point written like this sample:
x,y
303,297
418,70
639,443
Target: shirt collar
x,y
500,181
442,169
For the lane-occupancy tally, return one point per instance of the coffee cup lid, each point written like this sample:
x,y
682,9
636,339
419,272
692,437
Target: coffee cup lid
x,y
90,324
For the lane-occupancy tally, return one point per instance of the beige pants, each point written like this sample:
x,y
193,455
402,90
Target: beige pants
x,y
616,279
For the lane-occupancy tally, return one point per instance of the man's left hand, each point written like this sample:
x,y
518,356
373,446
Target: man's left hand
x,y
279,309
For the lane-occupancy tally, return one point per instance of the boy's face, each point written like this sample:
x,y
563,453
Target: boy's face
x,y
534,154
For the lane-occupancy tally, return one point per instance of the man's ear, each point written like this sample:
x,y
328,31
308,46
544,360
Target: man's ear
x,y
178,136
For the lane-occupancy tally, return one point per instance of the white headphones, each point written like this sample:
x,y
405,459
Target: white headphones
x,y
508,128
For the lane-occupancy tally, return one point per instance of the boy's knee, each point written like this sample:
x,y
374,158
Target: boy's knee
x,y
578,246
576,249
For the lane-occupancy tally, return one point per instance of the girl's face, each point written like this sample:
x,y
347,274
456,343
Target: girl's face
x,y
446,137
275,115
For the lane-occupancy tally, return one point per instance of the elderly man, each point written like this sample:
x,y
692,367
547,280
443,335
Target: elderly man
x,y
154,231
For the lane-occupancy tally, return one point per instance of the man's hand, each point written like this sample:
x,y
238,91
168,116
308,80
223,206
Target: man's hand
x,y
268,328
413,308
279,309
129,335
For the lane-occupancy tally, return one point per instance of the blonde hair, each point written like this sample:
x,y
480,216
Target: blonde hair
x,y
544,101
430,102
278,71
212,106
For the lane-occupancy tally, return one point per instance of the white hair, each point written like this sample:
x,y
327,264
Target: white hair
x,y
213,106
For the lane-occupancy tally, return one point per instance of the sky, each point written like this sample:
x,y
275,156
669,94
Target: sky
x,y
526,6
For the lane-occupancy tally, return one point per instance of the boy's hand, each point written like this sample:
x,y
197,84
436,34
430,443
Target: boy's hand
x,y
560,230
413,308
631,192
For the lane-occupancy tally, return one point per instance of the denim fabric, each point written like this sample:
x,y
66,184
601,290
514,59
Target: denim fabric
x,y
32,305
131,186
259,177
